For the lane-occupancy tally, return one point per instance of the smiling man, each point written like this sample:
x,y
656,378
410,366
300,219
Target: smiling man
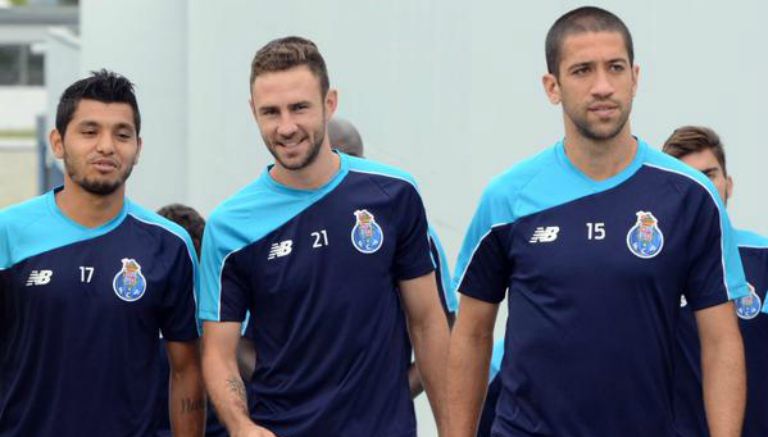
x,y
593,241
329,254
87,281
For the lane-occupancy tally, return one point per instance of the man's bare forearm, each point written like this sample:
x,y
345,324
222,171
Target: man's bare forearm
x,y
187,390
468,363
724,384
227,392
430,344
187,410
414,377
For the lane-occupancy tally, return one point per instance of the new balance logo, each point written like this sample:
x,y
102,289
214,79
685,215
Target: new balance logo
x,y
281,249
39,277
545,235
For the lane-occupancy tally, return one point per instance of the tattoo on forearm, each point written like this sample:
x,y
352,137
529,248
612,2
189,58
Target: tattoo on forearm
x,y
237,388
190,405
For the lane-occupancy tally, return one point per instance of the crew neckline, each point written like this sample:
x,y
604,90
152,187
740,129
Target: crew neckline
x,y
623,175
105,227
343,170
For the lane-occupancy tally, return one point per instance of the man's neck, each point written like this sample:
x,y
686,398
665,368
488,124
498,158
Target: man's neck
x,y
600,160
314,176
88,209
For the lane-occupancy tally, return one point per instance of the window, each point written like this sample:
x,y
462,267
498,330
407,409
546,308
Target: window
x,y
20,65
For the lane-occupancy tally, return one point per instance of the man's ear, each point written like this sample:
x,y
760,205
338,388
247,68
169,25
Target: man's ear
x,y
552,88
728,189
57,143
331,103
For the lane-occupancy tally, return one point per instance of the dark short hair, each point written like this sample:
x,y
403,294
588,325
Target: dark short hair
x,y
582,20
693,139
188,218
285,53
103,86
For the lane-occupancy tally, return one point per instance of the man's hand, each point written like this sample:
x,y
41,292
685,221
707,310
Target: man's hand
x,y
723,369
430,337
254,431
468,363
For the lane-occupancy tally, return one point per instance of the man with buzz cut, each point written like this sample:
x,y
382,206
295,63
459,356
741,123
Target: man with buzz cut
x,y
701,148
329,254
87,281
593,241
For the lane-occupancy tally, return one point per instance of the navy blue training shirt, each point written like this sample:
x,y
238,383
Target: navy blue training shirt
x,y
691,419
80,312
594,272
318,270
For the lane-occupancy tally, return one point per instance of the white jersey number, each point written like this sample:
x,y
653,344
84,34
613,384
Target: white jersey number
x,y
86,274
321,239
596,231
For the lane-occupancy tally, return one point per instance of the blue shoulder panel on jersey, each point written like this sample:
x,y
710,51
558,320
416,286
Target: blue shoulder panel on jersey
x,y
451,300
496,358
245,218
539,183
22,224
750,239
735,282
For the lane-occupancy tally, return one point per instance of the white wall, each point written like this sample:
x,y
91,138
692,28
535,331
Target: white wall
x,y
19,105
62,67
146,41
449,90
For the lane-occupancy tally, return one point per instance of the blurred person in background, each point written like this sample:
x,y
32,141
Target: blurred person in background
x,y
701,148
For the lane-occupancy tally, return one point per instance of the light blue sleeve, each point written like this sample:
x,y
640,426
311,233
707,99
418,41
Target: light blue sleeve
x,y
451,299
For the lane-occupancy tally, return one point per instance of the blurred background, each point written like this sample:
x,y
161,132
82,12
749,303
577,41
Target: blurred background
x,y
448,90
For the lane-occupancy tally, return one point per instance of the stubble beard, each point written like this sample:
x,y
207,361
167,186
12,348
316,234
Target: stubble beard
x,y
587,131
308,159
95,187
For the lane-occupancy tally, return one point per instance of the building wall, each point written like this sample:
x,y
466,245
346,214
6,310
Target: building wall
x,y
18,172
19,105
151,52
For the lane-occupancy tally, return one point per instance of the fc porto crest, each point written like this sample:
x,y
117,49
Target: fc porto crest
x,y
748,307
645,239
129,283
367,236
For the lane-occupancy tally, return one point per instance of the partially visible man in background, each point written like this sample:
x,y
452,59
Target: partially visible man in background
x,y
701,148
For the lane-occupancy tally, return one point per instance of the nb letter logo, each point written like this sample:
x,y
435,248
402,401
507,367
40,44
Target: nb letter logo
x,y
39,277
545,235
281,249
